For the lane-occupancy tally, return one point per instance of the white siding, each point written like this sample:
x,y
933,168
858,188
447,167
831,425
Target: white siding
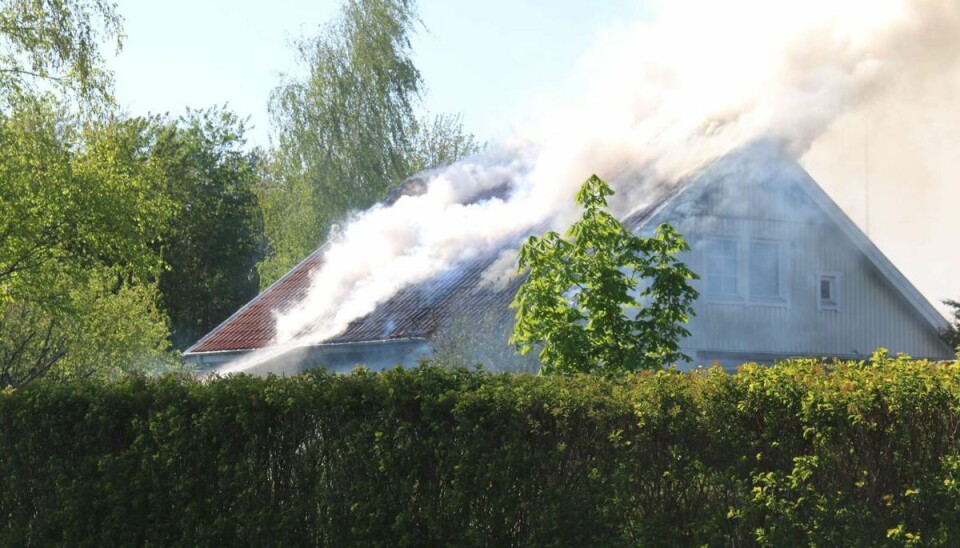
x,y
872,312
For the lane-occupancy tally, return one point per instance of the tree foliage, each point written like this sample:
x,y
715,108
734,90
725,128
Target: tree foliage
x,y
348,131
802,454
439,141
81,210
951,335
55,44
214,240
74,195
603,298
81,206
99,329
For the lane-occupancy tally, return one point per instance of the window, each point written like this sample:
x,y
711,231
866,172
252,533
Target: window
x,y
828,291
721,268
745,271
765,270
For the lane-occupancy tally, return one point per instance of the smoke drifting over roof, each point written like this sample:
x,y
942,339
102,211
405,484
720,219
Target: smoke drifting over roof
x,y
658,102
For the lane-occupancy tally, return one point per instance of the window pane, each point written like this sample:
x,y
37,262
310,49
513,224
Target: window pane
x,y
729,285
729,258
713,267
764,269
714,285
721,267
825,289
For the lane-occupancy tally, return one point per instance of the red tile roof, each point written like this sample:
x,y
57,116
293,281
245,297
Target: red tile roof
x,y
414,312
253,326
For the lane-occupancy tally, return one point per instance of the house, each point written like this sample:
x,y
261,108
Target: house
x,y
784,273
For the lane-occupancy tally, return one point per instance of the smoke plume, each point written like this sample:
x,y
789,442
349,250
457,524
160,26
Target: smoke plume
x,y
660,99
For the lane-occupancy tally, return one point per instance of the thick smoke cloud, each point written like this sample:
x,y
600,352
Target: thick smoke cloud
x,y
658,101
900,153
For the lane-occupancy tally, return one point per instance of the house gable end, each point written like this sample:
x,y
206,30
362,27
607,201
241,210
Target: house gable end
x,y
779,196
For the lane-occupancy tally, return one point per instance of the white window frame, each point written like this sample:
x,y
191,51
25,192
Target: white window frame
x,y
836,280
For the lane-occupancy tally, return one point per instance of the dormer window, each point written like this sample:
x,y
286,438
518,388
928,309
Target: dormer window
x,y
828,291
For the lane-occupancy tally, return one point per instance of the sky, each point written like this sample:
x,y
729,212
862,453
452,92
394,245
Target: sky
x,y
490,61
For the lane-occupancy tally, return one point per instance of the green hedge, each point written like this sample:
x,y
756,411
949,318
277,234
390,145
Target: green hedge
x,y
799,453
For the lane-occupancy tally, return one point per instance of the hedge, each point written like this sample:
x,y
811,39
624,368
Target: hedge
x,y
799,453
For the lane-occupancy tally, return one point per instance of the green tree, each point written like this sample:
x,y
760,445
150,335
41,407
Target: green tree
x,y
80,211
603,298
75,195
89,325
951,335
349,131
55,44
439,141
81,207
214,240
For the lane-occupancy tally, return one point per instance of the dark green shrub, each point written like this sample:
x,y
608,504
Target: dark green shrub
x,y
799,453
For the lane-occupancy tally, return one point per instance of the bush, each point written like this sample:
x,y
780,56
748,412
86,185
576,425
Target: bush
x,y
799,453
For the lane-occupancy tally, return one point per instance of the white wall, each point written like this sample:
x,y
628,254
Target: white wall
x,y
872,312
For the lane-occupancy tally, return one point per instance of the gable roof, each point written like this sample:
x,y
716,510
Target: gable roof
x,y
418,310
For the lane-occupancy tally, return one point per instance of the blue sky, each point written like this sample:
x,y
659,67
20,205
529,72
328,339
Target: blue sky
x,y
490,61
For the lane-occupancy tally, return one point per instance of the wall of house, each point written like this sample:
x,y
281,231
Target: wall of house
x,y
731,330
376,356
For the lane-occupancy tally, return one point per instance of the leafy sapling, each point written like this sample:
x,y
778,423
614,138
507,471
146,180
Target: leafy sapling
x,y
601,298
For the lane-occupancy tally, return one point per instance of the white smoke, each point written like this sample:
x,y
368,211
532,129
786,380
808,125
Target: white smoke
x,y
900,153
703,78
387,248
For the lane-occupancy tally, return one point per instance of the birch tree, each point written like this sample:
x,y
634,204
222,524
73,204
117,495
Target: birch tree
x,y
350,130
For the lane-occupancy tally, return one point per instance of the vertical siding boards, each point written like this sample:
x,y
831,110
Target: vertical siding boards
x,y
872,313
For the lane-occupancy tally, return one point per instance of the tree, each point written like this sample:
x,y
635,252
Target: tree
x,y
80,211
89,326
56,44
75,195
580,302
951,335
440,141
214,240
81,207
349,131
